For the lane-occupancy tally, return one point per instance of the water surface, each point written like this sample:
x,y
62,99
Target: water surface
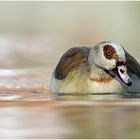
x,y
28,110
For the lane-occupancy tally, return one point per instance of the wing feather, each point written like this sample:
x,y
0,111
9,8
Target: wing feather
x,y
71,60
132,64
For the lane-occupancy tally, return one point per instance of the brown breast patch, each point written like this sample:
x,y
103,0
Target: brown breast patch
x,y
109,52
103,79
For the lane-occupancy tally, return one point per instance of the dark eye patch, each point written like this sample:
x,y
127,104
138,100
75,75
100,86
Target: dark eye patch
x,y
120,63
109,51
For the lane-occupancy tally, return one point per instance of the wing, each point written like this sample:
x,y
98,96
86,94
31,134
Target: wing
x,y
132,64
71,60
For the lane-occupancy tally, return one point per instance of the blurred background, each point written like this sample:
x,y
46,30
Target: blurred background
x,y
36,34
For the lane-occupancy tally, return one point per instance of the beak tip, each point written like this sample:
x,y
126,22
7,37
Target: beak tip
x,y
129,83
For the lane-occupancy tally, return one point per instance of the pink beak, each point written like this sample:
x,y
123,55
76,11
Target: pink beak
x,y
121,72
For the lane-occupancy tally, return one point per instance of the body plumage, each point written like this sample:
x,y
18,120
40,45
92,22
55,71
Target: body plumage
x,y
104,68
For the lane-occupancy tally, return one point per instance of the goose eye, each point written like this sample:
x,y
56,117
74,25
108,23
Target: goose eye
x,y
108,52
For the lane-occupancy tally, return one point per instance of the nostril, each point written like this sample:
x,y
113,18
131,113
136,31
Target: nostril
x,y
122,71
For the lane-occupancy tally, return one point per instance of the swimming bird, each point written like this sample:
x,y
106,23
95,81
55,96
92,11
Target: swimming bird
x,y
105,68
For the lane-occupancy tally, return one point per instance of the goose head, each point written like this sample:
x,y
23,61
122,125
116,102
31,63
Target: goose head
x,y
110,57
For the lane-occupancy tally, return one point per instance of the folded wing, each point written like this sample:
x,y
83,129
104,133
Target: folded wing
x,y
71,60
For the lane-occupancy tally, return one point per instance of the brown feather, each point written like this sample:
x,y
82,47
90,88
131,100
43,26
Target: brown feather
x,y
103,79
71,60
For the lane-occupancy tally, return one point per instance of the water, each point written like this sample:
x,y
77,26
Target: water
x,y
43,116
28,110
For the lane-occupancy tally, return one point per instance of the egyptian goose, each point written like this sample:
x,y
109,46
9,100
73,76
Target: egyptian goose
x,y
105,68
